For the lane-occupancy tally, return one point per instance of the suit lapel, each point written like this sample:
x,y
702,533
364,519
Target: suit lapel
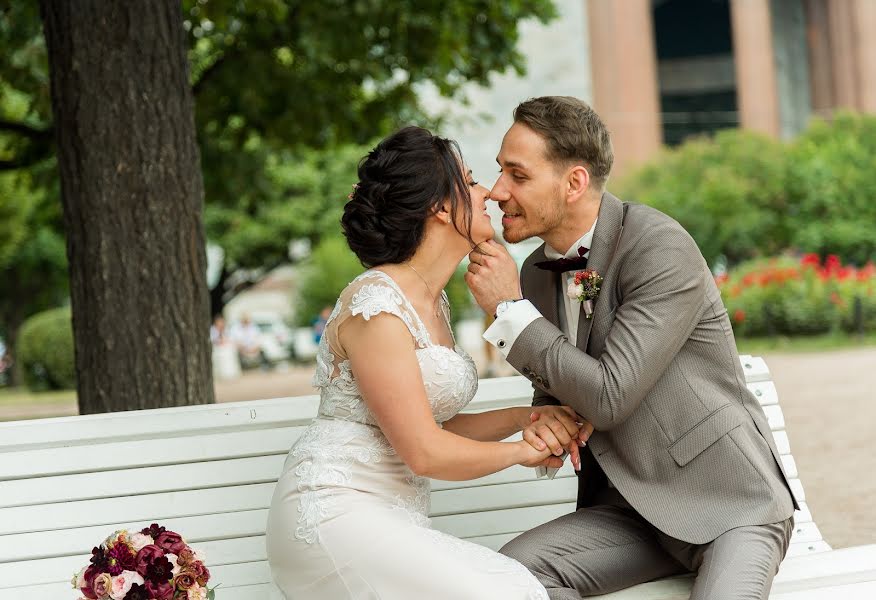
x,y
541,289
605,239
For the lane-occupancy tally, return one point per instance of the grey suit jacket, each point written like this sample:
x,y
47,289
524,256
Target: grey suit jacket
x,y
657,374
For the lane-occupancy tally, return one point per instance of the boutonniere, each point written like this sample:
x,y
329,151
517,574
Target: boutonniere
x,y
584,288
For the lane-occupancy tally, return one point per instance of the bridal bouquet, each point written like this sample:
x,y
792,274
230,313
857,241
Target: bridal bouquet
x,y
151,564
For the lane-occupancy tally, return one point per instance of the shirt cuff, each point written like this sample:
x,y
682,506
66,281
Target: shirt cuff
x,y
510,324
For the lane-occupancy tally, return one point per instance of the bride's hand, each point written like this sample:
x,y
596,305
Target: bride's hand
x,y
530,457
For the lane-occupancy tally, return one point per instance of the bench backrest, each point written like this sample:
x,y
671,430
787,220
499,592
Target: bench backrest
x,y
208,472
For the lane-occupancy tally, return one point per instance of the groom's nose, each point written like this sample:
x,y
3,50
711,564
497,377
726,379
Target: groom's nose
x,y
500,192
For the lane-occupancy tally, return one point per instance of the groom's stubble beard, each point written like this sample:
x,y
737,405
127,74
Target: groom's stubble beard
x,y
545,218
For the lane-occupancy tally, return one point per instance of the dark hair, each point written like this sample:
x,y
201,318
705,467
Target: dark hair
x,y
572,131
403,181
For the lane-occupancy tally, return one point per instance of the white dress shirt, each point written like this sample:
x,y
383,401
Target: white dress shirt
x,y
511,323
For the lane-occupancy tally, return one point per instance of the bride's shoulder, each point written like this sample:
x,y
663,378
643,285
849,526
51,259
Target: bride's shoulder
x,y
370,293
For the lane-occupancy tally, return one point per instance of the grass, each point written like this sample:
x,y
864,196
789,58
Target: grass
x,y
22,396
815,343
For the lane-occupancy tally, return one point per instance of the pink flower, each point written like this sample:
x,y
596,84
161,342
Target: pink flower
x,y
196,593
140,541
122,584
174,563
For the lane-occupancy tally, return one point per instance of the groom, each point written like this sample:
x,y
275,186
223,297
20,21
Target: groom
x,y
681,473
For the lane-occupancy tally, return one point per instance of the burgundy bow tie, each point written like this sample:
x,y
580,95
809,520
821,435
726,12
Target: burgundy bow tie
x,y
561,265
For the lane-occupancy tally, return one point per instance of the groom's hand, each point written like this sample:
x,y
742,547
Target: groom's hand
x,y
492,275
559,428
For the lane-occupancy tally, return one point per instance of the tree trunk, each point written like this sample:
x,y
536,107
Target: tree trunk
x,y
132,195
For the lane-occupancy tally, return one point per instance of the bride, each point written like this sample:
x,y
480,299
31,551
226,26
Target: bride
x,y
349,517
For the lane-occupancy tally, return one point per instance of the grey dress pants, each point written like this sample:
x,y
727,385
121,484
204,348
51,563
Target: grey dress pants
x,y
609,547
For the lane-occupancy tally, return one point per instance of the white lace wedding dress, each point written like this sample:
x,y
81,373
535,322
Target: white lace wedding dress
x,y
349,520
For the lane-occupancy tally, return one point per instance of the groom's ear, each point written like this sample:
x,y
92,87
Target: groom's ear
x,y
577,183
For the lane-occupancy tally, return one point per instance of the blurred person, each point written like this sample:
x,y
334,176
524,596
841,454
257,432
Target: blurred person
x,y
247,338
620,319
218,335
349,515
319,323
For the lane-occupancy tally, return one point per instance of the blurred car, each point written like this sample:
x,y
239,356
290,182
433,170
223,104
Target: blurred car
x,y
275,337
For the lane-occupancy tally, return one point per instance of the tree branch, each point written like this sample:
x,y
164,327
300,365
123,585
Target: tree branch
x,y
210,72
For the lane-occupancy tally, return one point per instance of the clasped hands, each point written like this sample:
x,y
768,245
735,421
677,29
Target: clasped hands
x,y
554,429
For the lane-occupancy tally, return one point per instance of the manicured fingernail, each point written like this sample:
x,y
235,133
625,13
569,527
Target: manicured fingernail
x,y
540,446
558,452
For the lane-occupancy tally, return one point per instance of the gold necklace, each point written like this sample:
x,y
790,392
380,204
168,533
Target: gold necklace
x,y
428,289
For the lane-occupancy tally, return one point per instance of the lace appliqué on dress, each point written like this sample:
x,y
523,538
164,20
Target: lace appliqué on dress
x,y
326,457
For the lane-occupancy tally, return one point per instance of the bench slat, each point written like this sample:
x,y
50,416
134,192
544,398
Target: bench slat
x,y
765,392
144,453
511,495
108,484
500,521
143,508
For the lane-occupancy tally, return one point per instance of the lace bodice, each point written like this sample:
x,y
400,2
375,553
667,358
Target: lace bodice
x,y
449,374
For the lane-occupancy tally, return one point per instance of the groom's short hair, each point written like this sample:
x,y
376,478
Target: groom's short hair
x,y
573,133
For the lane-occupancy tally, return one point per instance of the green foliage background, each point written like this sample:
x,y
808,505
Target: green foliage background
x,y
45,350
332,265
742,195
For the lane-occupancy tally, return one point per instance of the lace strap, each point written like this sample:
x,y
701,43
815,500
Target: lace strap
x,y
370,294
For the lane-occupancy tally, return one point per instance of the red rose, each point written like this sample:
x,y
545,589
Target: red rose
x,y
160,591
186,579
170,542
146,556
90,574
202,574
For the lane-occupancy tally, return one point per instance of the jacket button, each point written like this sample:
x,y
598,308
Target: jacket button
x,y
526,371
539,380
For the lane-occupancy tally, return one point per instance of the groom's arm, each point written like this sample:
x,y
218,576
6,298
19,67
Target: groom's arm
x,y
663,282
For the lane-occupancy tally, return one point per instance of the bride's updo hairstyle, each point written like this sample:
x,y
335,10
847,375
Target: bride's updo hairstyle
x,y
402,182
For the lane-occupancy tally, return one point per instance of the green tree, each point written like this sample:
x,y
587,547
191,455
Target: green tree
x,y
270,80
727,191
275,82
832,181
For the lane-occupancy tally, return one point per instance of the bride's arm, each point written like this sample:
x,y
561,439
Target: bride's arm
x,y
494,425
385,366
490,426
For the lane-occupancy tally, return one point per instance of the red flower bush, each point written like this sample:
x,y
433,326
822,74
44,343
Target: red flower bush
x,y
805,296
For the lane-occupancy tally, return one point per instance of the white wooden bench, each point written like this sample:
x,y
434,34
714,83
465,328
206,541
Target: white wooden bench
x,y
208,472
